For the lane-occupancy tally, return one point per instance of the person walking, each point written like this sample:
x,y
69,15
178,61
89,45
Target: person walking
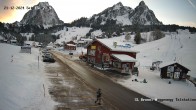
x,y
98,96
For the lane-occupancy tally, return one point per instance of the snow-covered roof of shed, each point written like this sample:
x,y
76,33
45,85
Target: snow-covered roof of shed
x,y
86,39
81,41
170,63
121,46
71,45
124,58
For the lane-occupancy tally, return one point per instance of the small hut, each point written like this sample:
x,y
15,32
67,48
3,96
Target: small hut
x,y
173,70
71,45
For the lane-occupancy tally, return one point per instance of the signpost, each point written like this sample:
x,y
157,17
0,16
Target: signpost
x,y
38,62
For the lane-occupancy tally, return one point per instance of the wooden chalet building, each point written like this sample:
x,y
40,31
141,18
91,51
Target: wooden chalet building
x,y
173,70
116,55
71,45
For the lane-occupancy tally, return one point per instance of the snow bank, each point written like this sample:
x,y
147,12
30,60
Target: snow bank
x,y
157,88
21,80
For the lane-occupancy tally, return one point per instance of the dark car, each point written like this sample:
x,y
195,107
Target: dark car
x,y
48,58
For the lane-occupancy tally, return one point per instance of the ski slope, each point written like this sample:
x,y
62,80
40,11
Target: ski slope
x,y
179,47
174,47
71,33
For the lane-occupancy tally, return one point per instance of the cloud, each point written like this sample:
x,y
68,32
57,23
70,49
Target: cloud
x,y
5,15
191,3
11,15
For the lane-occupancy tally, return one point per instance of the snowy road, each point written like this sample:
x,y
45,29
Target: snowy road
x,y
69,91
122,98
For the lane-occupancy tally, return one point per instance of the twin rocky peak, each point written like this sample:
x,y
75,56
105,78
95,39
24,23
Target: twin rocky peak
x,y
45,15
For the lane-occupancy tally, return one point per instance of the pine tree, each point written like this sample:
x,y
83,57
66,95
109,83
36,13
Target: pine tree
x,y
157,34
137,38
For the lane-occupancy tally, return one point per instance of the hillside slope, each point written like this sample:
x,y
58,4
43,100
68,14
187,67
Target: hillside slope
x,y
179,47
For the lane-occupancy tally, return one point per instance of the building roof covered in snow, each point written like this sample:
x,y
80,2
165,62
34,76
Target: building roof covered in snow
x,y
124,58
86,39
81,41
117,45
71,42
162,65
70,45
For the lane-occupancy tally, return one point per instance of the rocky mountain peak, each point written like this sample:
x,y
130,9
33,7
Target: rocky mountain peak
x,y
42,14
119,4
125,15
142,3
142,6
43,4
144,16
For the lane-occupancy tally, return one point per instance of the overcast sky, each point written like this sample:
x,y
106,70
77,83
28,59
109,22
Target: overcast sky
x,y
181,12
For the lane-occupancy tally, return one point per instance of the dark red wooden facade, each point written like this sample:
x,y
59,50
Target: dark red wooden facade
x,y
98,53
70,45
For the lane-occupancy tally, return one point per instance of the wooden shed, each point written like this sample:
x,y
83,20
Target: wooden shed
x,y
71,45
173,70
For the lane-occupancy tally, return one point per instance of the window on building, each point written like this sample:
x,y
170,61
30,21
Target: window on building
x,y
92,52
171,75
116,64
177,75
92,60
168,74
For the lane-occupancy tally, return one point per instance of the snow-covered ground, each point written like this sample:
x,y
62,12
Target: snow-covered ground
x,y
157,88
72,32
96,33
179,47
21,80
175,46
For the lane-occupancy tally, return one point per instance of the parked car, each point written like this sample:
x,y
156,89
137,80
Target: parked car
x,y
46,54
48,58
45,51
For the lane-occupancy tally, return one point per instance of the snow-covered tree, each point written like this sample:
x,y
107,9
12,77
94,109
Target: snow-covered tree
x,y
127,37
